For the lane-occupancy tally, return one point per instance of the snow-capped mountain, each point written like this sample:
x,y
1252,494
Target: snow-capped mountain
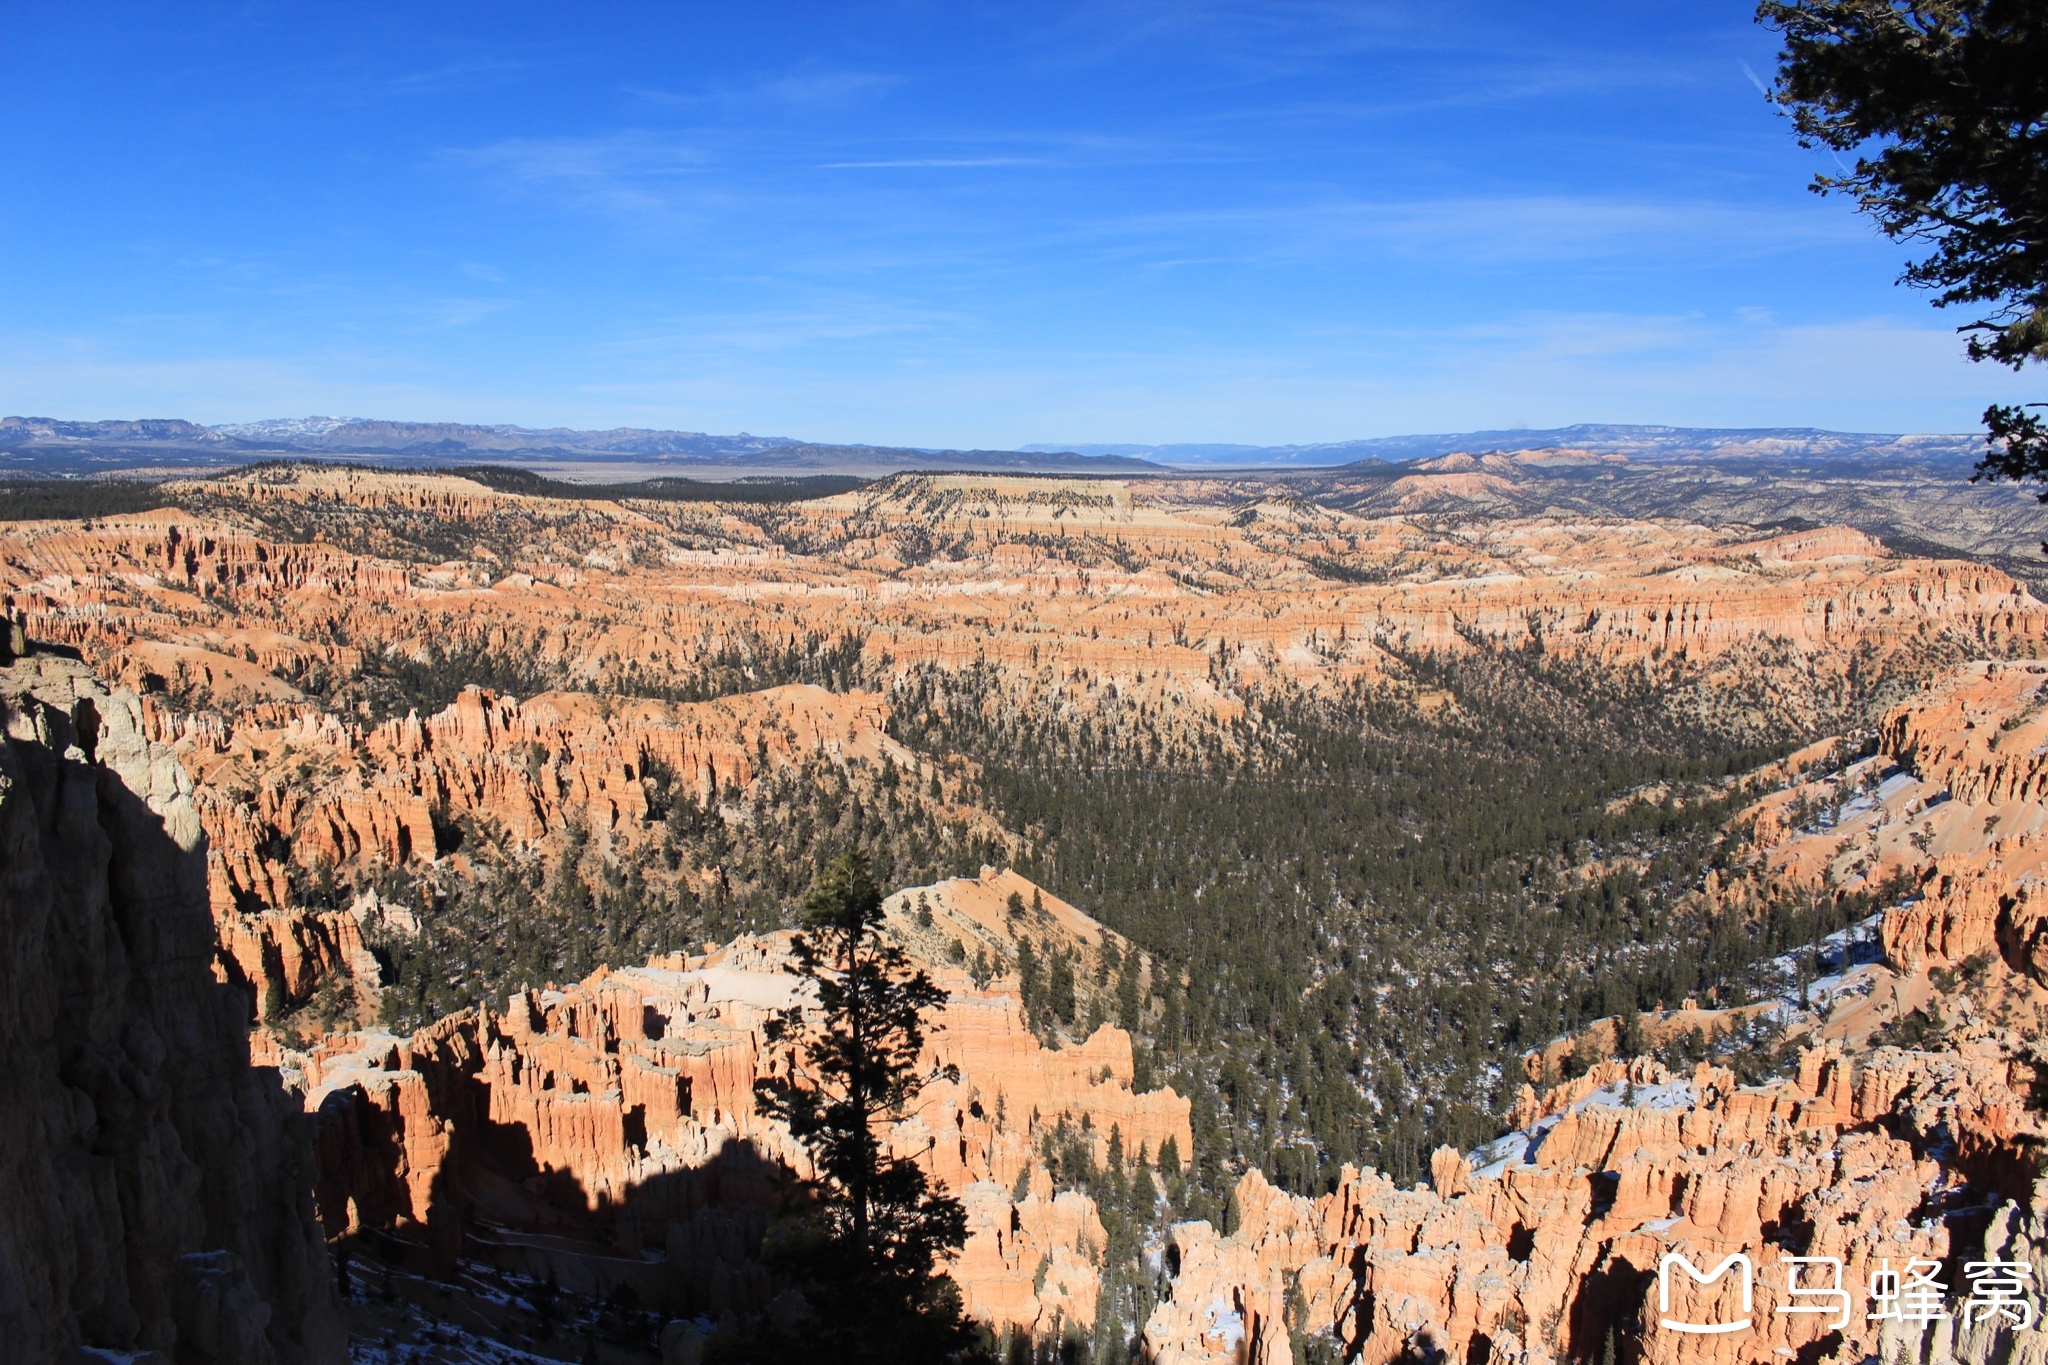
x,y
283,428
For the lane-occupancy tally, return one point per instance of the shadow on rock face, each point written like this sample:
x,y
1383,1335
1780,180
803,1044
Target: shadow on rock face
x,y
154,1186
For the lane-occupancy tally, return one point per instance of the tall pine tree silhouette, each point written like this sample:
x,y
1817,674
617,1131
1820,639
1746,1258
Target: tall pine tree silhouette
x,y
868,1256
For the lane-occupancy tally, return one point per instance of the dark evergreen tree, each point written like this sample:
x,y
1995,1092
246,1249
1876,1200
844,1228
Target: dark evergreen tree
x,y
1127,987
1059,987
867,1254
1945,102
1028,980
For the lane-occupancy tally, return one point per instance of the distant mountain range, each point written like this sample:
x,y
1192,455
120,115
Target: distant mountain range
x,y
50,446
1646,443
47,445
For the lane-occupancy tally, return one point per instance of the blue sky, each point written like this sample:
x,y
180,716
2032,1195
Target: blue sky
x,y
957,224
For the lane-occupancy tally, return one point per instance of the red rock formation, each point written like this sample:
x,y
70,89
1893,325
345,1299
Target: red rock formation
x,y
630,1099
1542,1243
599,589
153,1185
1090,597
623,1107
1557,1237
342,796
281,790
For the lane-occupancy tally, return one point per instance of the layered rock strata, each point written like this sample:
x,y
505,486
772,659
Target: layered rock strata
x,y
1160,606
154,1186
1544,1244
621,1112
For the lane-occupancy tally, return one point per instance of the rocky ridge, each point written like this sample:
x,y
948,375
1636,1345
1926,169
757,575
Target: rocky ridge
x,y
620,1114
1084,577
1539,1246
1121,606
153,1183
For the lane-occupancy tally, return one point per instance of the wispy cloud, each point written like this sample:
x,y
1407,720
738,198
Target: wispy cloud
x,y
819,87
1477,232
1541,369
629,174
89,378
452,77
837,316
628,154
1269,39
799,90
934,162
351,82
460,312
783,202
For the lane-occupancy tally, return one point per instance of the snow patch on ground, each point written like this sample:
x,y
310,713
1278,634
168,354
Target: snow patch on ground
x,y
1225,1323
1842,962
1520,1146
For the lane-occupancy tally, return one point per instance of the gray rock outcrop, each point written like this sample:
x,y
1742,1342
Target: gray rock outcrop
x,y
154,1186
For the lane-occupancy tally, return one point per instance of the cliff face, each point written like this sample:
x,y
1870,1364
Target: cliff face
x,y
1152,607
620,1115
154,1187
1541,1244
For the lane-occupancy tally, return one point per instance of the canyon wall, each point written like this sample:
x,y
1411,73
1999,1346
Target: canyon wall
x,y
253,615
155,1188
620,1114
1540,1245
572,1130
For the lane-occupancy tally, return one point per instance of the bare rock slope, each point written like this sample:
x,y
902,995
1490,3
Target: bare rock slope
x,y
618,1116
154,1187
1551,1241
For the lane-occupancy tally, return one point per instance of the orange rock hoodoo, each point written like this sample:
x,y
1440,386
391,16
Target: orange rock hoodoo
x,y
383,795
630,1099
1557,1238
1537,1246
1084,596
621,1109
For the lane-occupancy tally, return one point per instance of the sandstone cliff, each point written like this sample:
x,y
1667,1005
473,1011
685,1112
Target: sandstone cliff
x,y
620,1114
1539,1246
154,1186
